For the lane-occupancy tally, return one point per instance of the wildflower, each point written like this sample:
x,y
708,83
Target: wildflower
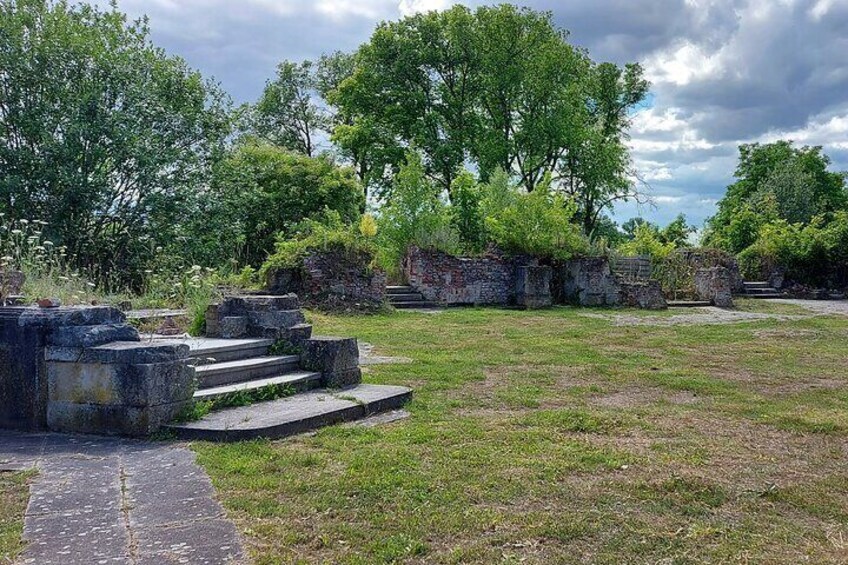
x,y
90,284
48,243
17,232
8,258
148,271
158,250
24,222
64,278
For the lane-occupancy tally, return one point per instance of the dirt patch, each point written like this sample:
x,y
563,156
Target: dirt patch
x,y
367,356
635,397
781,333
826,307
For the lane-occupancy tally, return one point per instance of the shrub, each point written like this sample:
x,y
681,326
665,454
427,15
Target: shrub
x,y
538,223
415,214
467,213
647,241
330,234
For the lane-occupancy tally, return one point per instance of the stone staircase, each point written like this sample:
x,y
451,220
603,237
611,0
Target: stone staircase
x,y
322,385
407,297
761,289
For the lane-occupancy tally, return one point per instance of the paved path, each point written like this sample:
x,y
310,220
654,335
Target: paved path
x,y
115,502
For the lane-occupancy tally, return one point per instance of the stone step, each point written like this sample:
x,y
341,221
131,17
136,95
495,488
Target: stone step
x,y
399,289
765,295
299,381
295,414
214,350
405,297
756,284
230,372
758,290
405,305
689,303
151,315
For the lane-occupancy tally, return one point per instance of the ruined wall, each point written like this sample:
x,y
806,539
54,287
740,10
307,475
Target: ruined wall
x,y
333,280
708,258
716,285
589,281
445,279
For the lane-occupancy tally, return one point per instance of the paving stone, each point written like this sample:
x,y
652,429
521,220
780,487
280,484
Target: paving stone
x,y
198,543
80,538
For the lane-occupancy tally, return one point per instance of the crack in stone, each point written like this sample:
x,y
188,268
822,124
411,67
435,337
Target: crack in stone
x,y
132,547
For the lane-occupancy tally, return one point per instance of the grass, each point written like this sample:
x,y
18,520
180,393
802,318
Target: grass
x,y
552,437
14,493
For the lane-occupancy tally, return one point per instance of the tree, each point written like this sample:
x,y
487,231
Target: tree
x,y
287,113
776,181
259,191
497,88
102,135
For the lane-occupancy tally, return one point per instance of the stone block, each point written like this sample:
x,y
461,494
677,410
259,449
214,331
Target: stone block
x,y
90,336
233,327
70,417
336,358
647,295
342,379
278,320
11,282
120,385
131,353
212,318
533,286
297,335
716,285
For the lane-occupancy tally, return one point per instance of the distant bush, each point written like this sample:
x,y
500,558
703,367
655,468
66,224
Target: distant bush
x,y
647,241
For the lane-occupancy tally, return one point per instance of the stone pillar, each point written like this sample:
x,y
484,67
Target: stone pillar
x,y
336,358
533,287
25,333
716,285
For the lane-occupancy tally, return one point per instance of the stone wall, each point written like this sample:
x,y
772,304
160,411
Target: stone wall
x,y
716,285
589,281
490,279
333,280
708,258
260,316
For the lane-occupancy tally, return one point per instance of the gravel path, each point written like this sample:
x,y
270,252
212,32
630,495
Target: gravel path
x,y
112,501
827,307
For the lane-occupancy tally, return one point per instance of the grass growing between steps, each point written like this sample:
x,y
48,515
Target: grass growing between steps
x,y
553,437
14,494
200,408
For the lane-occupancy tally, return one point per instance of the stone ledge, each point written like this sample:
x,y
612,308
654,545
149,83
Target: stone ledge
x,y
111,420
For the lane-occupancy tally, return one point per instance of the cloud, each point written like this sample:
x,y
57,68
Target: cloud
x,y
723,71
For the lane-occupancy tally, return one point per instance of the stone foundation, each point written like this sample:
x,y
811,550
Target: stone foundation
x,y
260,316
336,358
589,281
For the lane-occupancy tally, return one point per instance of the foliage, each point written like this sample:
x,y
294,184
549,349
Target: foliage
x,y
538,223
647,241
414,214
467,212
287,114
46,266
776,181
102,135
499,88
259,191
327,234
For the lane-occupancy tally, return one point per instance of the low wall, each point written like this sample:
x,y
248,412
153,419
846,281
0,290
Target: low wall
x,y
490,279
708,258
716,285
333,280
590,281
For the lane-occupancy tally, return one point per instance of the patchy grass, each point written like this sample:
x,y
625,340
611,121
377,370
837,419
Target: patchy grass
x,y
14,493
552,437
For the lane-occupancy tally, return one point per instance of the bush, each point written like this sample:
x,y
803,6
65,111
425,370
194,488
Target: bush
x,y
415,214
330,234
647,241
538,223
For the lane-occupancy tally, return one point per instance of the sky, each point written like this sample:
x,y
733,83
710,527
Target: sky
x,y
723,72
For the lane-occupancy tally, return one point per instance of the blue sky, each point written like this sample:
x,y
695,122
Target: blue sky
x,y
723,72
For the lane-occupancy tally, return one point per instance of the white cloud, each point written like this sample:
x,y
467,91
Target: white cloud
x,y
409,7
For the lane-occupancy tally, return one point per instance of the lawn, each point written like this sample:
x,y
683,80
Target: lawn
x,y
14,493
552,437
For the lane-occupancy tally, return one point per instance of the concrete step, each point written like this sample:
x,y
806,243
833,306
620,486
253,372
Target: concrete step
x,y
399,289
688,303
405,305
209,350
231,372
405,297
293,415
299,381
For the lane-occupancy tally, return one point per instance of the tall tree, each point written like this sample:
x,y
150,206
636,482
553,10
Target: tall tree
x,y
102,135
288,113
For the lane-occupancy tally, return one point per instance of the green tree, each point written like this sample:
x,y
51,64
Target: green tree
x,y
288,114
102,135
259,191
498,88
775,181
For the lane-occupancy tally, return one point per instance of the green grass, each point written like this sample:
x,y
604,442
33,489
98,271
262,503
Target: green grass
x,y
552,437
14,493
